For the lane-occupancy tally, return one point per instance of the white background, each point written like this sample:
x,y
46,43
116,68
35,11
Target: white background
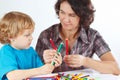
x,y
107,18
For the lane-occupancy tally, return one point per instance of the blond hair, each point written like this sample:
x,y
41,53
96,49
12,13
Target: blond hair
x,y
14,23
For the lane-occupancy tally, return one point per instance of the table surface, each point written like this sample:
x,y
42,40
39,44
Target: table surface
x,y
94,74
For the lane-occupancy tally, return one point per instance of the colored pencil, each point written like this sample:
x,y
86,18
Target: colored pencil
x,y
59,48
66,43
84,76
58,52
53,45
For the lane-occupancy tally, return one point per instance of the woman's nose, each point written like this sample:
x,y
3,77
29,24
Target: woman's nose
x,y
66,18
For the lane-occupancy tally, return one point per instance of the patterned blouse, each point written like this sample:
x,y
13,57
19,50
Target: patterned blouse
x,y
87,44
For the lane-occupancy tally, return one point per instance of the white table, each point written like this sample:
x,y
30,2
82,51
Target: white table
x,y
94,74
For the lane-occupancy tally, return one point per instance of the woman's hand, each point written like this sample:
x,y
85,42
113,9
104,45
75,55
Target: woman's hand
x,y
74,60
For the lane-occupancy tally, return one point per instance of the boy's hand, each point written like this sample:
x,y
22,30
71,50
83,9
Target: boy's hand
x,y
57,59
48,56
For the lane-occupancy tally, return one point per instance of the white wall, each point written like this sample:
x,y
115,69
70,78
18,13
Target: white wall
x,y
108,24
42,12
106,21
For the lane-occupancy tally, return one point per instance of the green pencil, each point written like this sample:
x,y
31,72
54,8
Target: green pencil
x,y
58,51
59,48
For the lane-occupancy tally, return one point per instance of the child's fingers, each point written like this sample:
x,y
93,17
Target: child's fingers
x,y
56,63
58,60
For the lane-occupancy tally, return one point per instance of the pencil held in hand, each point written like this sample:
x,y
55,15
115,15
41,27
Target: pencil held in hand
x,y
59,48
66,44
58,52
53,45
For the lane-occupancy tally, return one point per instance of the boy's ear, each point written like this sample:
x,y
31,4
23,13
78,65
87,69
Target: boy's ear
x,y
11,39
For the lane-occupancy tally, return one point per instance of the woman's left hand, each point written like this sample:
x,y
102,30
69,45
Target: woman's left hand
x,y
74,60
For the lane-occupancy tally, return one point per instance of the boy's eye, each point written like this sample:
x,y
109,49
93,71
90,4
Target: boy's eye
x,y
27,35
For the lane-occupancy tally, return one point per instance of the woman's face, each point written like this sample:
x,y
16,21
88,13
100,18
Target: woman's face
x,y
67,16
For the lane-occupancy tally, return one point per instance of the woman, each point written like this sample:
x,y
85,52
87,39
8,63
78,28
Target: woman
x,y
75,19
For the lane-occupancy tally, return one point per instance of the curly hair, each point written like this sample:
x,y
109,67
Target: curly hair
x,y
14,23
82,8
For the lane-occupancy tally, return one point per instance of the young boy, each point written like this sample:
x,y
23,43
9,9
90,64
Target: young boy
x,y
18,60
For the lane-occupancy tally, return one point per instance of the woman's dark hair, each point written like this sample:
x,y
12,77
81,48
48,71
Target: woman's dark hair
x,y
82,8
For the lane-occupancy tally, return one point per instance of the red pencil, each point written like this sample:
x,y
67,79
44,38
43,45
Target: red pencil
x,y
53,45
66,43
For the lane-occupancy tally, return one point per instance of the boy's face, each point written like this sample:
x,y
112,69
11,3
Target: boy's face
x,y
23,40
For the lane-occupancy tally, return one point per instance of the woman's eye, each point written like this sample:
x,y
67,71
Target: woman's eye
x,y
72,15
62,12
